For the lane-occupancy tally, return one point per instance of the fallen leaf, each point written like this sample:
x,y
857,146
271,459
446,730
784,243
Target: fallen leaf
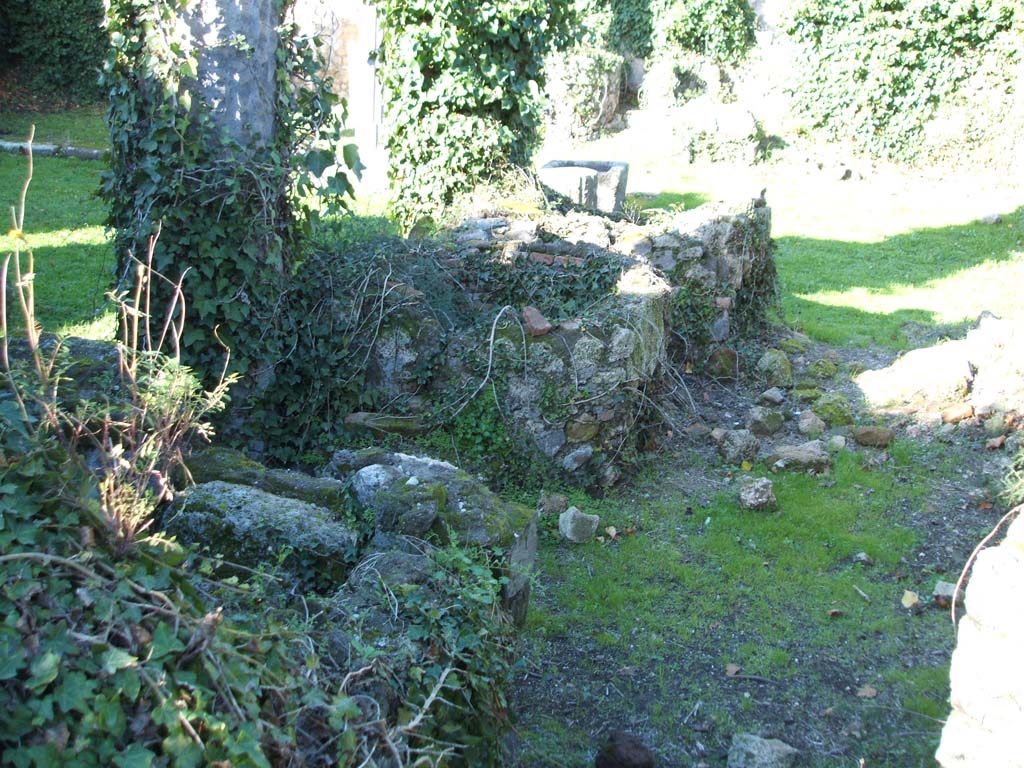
x,y
746,466
995,443
629,531
867,692
986,505
834,613
731,670
612,532
599,539
910,599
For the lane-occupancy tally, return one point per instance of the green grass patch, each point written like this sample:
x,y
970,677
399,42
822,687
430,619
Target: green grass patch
x,y
773,593
643,201
845,292
858,260
83,127
64,225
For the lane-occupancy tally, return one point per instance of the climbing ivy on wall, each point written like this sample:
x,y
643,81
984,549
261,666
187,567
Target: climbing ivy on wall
x,y
463,83
875,72
720,29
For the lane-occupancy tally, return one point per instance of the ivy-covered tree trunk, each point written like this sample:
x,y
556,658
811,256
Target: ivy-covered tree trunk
x,y
216,109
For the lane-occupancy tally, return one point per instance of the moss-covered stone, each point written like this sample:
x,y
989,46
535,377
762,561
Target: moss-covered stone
x,y
253,528
807,394
479,516
410,426
764,422
824,369
776,369
409,509
582,431
834,409
793,345
231,466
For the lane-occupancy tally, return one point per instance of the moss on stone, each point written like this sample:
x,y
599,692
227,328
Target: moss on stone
x,y
834,409
807,394
231,466
793,346
254,528
776,368
479,516
824,369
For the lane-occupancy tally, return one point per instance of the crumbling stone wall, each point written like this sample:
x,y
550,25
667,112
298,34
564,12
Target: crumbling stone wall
x,y
987,673
577,378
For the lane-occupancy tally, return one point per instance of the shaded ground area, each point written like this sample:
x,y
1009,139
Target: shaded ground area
x,y
642,631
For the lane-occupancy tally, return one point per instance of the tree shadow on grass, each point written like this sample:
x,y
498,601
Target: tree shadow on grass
x,y
863,293
903,329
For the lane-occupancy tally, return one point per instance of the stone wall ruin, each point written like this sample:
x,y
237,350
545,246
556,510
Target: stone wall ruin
x,y
587,336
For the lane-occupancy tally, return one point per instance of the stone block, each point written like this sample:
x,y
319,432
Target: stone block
x,y
592,184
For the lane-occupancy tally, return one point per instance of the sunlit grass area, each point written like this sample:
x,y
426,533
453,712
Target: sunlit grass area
x,y
64,226
659,614
83,127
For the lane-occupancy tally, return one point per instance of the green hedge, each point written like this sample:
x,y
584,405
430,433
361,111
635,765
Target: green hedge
x,y
876,71
58,46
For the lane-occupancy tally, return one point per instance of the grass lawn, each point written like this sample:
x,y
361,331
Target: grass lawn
x,y
645,627
64,225
83,127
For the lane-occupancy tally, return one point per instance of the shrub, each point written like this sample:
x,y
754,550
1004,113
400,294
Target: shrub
x,y
875,73
463,92
57,45
720,29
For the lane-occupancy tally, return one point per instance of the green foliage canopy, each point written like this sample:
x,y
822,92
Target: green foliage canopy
x,y
463,82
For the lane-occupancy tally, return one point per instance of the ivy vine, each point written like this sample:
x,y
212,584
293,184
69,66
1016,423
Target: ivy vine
x,y
463,83
875,73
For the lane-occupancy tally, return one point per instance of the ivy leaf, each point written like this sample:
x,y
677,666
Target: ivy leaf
x,y
135,756
116,659
12,660
319,160
350,154
74,692
44,671
164,642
